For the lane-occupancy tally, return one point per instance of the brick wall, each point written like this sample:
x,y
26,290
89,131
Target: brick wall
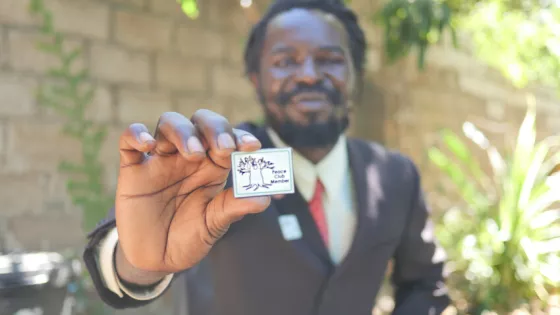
x,y
404,107
146,57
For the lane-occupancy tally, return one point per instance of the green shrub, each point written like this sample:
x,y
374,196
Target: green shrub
x,y
503,240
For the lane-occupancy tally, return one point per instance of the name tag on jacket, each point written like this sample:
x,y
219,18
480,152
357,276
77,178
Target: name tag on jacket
x,y
289,226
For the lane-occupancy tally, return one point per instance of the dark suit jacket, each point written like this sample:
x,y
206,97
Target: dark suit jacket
x,y
252,270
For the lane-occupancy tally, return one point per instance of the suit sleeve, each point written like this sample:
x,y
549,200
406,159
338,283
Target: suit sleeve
x,y
98,258
418,263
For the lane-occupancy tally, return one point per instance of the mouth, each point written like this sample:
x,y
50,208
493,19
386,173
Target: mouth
x,y
311,101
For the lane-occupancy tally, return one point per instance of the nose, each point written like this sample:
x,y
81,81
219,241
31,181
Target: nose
x,y
308,72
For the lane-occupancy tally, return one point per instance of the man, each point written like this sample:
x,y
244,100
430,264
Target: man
x,y
357,204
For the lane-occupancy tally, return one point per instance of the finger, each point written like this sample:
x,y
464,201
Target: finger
x,y
217,134
175,133
134,142
225,209
246,141
278,197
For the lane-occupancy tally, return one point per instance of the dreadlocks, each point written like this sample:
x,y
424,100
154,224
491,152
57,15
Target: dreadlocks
x,y
335,7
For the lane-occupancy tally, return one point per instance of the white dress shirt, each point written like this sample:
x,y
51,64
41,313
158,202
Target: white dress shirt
x,y
338,202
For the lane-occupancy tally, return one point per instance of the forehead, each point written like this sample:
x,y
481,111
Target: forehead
x,y
305,28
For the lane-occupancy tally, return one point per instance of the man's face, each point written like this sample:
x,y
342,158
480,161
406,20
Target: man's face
x,y
306,77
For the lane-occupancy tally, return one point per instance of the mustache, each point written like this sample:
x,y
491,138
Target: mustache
x,y
333,95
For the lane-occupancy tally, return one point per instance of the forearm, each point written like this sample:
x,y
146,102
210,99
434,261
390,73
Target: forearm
x,y
132,275
100,259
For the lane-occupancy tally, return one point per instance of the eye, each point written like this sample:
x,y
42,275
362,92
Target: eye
x,y
330,60
285,62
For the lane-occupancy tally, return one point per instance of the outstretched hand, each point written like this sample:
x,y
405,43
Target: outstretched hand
x,y
171,206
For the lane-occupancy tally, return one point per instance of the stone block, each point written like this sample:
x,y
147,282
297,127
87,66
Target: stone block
x,y
109,154
55,188
431,110
495,110
35,145
141,106
455,59
188,105
3,47
442,78
181,73
16,12
490,90
101,107
23,54
242,110
3,136
231,81
374,35
86,18
200,43
117,65
17,95
432,101
142,31
373,60
227,16
138,4
53,232
173,9
111,176
235,46
22,193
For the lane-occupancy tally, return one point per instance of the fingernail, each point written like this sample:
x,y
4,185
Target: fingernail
x,y
225,141
264,200
146,137
194,145
249,138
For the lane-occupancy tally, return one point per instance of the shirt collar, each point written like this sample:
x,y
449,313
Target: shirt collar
x,y
331,170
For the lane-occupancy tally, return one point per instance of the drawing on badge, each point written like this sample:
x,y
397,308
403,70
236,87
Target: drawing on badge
x,y
254,168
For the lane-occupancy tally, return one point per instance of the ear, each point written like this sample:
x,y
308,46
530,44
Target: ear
x,y
254,78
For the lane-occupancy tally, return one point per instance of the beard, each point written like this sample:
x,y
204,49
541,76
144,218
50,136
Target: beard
x,y
315,134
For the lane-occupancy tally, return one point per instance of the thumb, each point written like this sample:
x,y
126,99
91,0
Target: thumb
x,y
225,209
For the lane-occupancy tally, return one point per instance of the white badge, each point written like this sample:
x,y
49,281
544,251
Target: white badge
x,y
263,172
290,227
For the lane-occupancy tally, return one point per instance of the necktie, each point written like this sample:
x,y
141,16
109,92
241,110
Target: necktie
x,y
318,212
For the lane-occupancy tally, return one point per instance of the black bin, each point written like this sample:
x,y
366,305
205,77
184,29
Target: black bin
x,y
36,282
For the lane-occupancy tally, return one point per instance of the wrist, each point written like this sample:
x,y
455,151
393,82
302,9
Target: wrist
x,y
132,276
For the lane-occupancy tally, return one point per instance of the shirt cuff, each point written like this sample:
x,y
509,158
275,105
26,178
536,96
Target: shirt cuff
x,y
105,254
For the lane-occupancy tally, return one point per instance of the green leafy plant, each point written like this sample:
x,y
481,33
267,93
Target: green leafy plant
x,y
503,239
189,7
68,92
523,44
413,24
521,39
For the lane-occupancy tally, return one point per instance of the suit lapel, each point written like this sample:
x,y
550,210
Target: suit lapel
x,y
311,244
373,211
365,167
361,189
311,241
